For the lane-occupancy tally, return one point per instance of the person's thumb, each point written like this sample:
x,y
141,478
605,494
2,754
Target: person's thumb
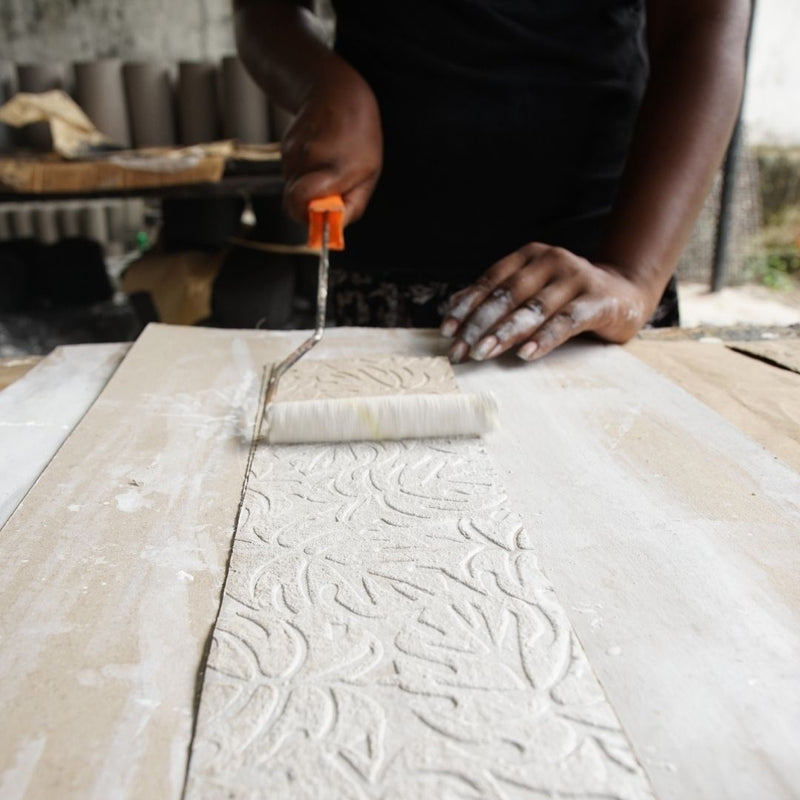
x,y
320,183
300,191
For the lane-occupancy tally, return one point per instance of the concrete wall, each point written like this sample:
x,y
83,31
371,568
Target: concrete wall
x,y
73,30
32,30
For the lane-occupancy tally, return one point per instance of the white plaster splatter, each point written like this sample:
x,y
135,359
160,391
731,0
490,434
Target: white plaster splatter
x,y
523,321
131,501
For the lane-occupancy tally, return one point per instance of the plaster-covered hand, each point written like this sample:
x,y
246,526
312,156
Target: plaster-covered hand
x,y
538,298
335,145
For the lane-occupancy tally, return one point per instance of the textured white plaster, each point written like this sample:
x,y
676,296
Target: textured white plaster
x,y
368,376
385,631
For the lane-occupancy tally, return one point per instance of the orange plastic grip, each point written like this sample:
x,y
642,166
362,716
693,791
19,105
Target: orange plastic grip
x,y
331,206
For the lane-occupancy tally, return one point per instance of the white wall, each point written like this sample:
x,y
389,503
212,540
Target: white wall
x,y
772,100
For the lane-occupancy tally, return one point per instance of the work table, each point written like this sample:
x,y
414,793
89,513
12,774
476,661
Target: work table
x,y
670,536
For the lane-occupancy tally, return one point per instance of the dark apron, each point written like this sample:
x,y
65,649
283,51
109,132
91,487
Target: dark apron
x,y
505,122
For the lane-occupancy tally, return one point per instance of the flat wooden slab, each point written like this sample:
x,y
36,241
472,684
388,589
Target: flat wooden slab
x,y
784,353
39,411
12,369
112,569
670,537
761,400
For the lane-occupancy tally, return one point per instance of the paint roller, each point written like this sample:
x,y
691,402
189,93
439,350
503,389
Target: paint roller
x,y
412,416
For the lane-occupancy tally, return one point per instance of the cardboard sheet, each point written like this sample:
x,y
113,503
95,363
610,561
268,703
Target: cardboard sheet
x,y
761,400
783,352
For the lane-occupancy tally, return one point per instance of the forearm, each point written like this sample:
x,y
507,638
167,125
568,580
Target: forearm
x,y
281,45
691,102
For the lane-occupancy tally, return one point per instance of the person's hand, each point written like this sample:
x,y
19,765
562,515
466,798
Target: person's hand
x,y
334,146
539,297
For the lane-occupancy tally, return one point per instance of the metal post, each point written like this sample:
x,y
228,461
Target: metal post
x,y
722,242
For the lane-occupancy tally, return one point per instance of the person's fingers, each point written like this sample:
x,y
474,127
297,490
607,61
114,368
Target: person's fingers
x,y
538,279
525,319
569,321
300,191
355,191
551,267
464,303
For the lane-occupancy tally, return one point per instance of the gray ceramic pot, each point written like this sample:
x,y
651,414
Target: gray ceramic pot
x,y
149,89
45,224
117,229
8,88
22,222
41,78
100,92
198,102
135,211
94,223
5,224
69,220
245,111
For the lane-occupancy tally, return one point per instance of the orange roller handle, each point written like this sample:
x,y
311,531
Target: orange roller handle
x,y
331,207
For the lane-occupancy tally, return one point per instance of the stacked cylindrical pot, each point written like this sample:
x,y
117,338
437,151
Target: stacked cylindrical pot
x,y
8,88
100,92
114,224
155,103
36,78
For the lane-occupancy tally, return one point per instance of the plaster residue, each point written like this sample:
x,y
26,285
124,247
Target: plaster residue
x,y
385,632
367,376
131,501
14,782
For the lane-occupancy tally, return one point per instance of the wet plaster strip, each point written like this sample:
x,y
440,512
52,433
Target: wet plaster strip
x,y
386,631
40,410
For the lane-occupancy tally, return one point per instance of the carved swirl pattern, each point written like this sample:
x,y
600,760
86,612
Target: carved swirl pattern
x,y
367,376
386,632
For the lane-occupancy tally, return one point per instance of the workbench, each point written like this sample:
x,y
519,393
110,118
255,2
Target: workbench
x,y
670,530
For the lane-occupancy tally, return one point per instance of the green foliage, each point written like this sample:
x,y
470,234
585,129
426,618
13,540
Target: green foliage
x,y
779,179
777,269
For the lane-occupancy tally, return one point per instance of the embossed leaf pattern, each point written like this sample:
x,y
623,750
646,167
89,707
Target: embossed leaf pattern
x,y
366,376
385,630
386,633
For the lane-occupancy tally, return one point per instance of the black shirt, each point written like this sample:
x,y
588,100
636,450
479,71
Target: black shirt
x,y
505,122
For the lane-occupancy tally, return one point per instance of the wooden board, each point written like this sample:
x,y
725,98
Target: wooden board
x,y
670,537
784,353
12,369
40,410
761,400
112,567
